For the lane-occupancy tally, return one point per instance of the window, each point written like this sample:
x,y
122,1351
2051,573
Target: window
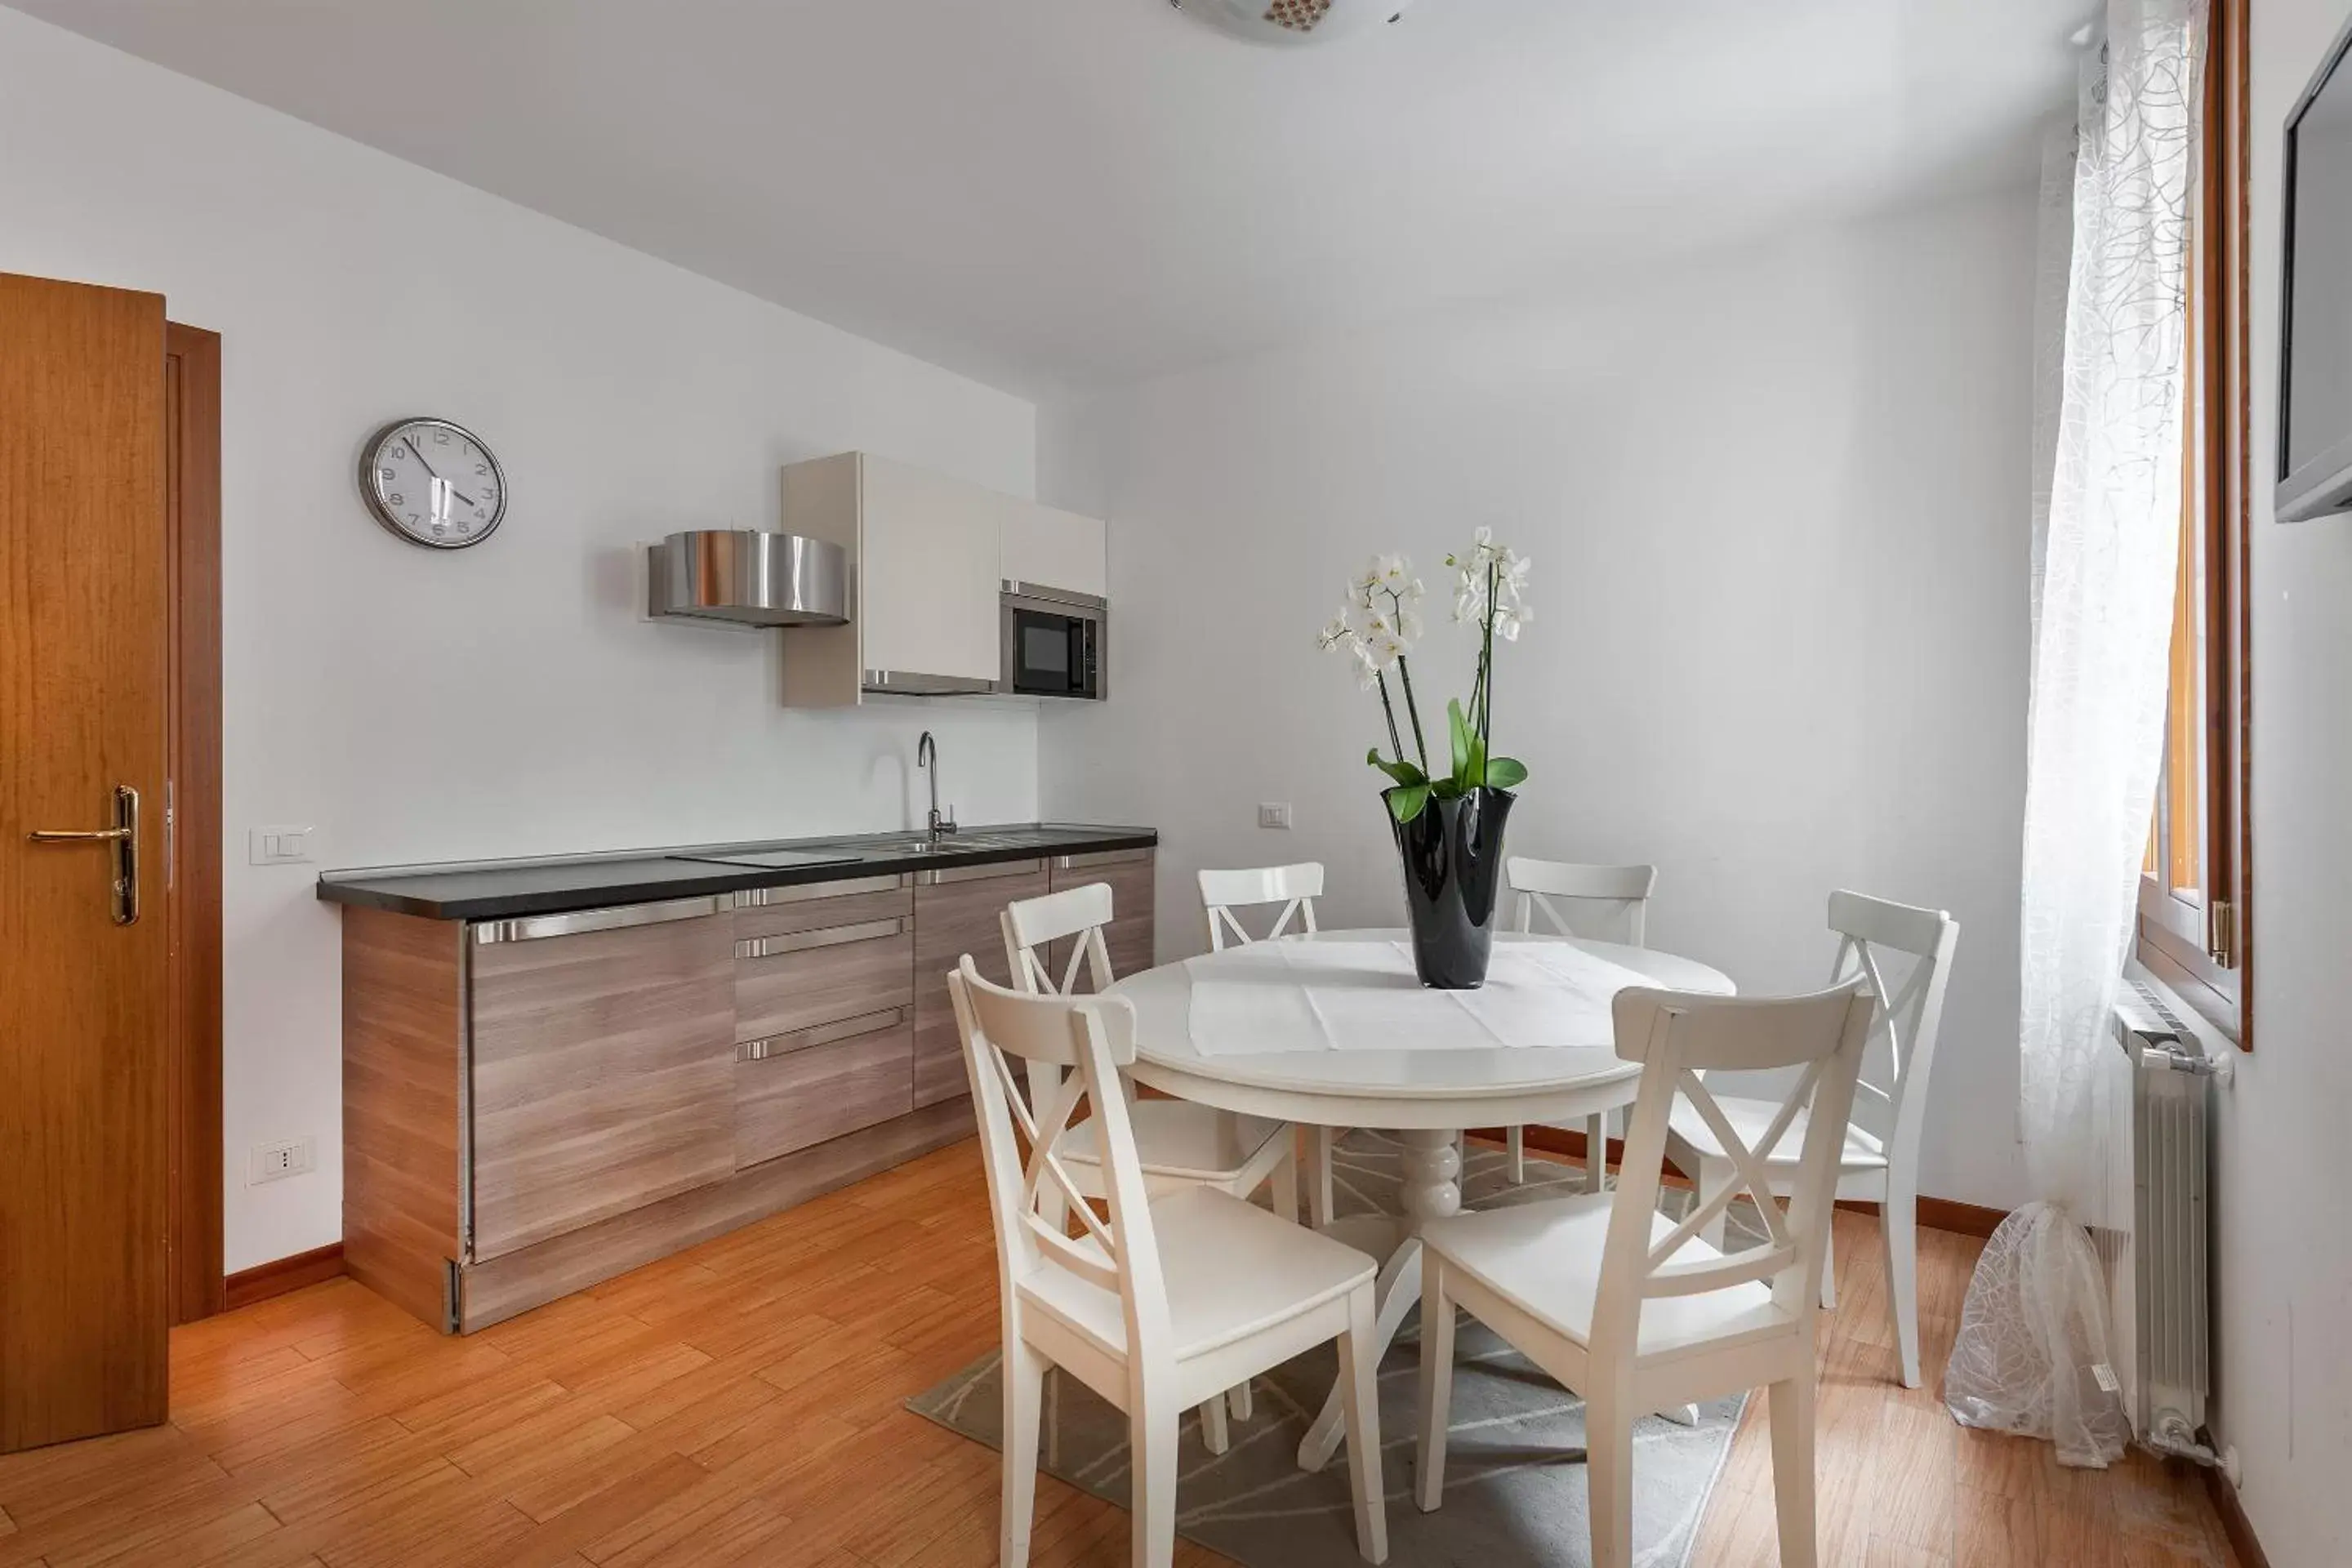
x,y
2194,932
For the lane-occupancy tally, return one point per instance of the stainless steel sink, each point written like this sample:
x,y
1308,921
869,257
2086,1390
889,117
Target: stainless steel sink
x,y
918,844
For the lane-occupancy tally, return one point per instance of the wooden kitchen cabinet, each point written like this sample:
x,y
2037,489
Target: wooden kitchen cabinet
x,y
1129,939
824,1003
602,1067
537,1103
956,912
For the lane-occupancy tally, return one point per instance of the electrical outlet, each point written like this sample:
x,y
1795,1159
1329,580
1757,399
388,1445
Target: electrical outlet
x,y
279,846
1274,814
276,1162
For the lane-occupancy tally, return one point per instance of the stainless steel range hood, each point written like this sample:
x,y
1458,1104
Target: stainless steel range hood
x,y
747,579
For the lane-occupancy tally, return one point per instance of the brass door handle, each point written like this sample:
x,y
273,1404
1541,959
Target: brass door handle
x,y
125,838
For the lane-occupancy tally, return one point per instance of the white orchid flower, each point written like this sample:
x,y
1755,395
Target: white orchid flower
x,y
1470,595
1336,633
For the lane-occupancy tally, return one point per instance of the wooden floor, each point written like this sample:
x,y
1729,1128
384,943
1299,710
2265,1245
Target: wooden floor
x,y
740,1404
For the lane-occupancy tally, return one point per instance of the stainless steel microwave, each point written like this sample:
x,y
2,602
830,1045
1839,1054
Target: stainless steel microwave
x,y
1052,643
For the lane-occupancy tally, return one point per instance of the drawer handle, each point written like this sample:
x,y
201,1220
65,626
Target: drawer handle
x,y
619,918
1088,862
822,1035
947,874
765,898
831,936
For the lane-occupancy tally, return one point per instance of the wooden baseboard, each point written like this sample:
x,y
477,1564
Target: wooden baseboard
x,y
281,1275
1943,1213
1935,1213
2235,1522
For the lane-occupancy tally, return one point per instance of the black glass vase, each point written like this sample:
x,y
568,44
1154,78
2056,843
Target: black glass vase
x,y
1452,855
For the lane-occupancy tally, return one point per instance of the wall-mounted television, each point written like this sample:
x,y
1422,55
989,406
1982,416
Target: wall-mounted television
x,y
2315,424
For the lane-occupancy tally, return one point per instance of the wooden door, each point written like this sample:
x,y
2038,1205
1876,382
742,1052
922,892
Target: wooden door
x,y
85,619
957,911
603,1074
192,367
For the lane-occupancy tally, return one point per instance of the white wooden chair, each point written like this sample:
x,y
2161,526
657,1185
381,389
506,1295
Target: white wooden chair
x,y
1296,889
1177,1296
1596,903
1181,1144
1879,1160
1637,1312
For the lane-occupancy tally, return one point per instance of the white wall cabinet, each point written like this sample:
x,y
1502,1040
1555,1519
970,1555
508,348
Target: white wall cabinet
x,y
926,589
1050,549
927,555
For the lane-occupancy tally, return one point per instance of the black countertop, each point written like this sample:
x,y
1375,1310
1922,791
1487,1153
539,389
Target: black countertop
x,y
498,890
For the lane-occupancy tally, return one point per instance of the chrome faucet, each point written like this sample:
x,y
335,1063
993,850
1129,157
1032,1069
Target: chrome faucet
x,y
927,757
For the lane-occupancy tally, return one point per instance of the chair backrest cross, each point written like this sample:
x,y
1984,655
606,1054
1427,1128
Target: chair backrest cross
x,y
1876,939
1676,1036
1596,903
1083,1042
1032,925
1294,888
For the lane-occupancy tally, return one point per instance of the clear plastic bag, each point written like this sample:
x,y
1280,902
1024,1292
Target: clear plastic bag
x,y
2033,1342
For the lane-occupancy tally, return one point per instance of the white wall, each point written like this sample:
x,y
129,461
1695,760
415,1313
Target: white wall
x,y
2283,1273
508,699
1776,504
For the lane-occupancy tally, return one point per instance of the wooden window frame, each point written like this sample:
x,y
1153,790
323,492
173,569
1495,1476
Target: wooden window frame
x,y
2203,946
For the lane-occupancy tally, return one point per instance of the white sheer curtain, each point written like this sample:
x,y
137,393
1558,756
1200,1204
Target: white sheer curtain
x,y
2032,1348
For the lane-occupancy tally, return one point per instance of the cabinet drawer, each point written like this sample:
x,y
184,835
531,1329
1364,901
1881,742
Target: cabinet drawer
x,y
805,1087
782,911
801,980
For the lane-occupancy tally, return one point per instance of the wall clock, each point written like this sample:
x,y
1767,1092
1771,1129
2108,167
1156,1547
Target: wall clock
x,y
433,483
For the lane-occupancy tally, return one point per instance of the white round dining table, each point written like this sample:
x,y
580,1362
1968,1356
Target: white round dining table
x,y
1426,1096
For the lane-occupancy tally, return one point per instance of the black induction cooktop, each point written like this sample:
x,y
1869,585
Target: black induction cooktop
x,y
776,860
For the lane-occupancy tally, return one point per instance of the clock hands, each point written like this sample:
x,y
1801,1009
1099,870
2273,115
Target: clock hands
x,y
410,443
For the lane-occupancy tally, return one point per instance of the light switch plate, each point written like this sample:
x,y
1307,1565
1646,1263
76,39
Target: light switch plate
x,y
288,845
1274,814
276,1162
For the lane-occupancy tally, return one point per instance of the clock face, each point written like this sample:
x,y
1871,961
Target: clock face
x,y
433,483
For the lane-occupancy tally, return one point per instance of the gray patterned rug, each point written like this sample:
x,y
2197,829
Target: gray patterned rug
x,y
1514,1489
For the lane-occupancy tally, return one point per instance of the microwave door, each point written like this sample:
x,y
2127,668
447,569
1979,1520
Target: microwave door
x,y
1042,647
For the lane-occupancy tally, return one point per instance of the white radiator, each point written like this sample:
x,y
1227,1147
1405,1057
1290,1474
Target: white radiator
x,y
2151,1228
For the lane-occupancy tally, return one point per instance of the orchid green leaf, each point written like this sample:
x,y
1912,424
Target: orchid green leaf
x,y
1403,773
1408,801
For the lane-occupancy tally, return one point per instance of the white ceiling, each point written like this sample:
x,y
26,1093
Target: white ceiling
x,y
1042,193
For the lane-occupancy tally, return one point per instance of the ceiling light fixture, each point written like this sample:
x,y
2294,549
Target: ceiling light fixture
x,y
1293,22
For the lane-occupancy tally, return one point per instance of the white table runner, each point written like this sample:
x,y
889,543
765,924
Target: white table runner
x,y
1276,997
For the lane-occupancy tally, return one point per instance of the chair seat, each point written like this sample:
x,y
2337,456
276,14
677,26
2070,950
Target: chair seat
x,y
1231,1268
1176,1138
1751,1118
1544,1259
